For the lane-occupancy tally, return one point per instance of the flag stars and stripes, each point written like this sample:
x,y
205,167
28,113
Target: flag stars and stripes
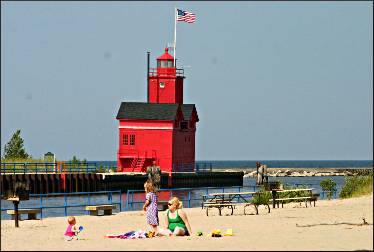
x,y
186,16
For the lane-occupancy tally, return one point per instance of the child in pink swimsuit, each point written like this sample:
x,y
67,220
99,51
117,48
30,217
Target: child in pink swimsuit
x,y
72,230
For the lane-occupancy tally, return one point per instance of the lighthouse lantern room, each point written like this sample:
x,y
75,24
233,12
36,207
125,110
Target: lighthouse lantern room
x,y
162,129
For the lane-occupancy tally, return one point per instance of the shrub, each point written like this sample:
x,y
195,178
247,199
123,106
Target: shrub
x,y
101,169
357,186
293,194
263,198
329,186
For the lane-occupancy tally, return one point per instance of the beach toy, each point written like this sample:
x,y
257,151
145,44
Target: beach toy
x,y
81,228
199,233
228,232
150,234
216,233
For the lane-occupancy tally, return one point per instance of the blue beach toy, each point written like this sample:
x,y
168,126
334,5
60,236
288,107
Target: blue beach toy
x,y
80,228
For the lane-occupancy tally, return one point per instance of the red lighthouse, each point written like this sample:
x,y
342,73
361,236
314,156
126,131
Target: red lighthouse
x,y
162,129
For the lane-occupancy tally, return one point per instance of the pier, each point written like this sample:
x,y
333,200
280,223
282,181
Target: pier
x,y
91,182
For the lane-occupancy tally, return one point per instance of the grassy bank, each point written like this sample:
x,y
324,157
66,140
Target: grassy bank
x,y
31,160
357,186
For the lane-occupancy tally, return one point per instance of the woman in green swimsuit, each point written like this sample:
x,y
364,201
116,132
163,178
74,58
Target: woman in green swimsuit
x,y
176,219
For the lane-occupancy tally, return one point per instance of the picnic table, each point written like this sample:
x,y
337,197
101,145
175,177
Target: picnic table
x,y
275,192
229,200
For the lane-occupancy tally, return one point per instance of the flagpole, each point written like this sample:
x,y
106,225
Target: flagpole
x,y
175,31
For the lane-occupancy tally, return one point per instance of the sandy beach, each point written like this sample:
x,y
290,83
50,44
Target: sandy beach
x,y
328,226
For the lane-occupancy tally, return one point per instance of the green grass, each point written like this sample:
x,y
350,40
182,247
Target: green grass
x,y
18,160
32,166
262,198
357,186
293,194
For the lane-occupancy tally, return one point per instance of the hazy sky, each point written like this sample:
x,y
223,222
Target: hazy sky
x,y
270,80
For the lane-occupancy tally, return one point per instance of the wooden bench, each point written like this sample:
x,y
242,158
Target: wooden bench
x,y
218,203
31,213
305,199
232,206
256,207
314,198
94,210
220,206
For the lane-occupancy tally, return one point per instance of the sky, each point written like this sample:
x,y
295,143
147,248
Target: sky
x,y
270,80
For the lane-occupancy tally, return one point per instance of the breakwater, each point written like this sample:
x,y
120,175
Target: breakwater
x,y
310,172
91,182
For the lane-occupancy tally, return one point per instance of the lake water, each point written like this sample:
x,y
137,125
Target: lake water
x,y
195,196
224,164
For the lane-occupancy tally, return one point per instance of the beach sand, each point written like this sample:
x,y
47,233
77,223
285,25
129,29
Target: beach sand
x,y
282,229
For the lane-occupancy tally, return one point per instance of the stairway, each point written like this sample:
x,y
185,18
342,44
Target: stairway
x,y
133,164
139,164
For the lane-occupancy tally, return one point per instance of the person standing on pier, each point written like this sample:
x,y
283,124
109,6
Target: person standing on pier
x,y
154,174
258,173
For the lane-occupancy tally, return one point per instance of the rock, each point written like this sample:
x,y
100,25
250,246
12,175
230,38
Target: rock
x,y
295,174
250,174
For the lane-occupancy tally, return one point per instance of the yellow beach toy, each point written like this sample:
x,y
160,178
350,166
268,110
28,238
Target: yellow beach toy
x,y
228,232
216,233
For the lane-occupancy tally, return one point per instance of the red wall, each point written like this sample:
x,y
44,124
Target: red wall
x,y
153,139
184,147
171,93
158,140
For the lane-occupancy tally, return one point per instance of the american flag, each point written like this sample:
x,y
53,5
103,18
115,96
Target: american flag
x,y
186,16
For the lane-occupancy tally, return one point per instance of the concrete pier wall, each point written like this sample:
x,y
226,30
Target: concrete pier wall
x,y
91,182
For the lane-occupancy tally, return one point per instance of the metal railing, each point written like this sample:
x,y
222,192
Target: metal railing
x,y
153,72
184,167
28,168
184,194
23,168
201,167
192,167
88,200
86,167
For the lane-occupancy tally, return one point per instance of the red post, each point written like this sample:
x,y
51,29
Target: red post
x,y
170,184
63,182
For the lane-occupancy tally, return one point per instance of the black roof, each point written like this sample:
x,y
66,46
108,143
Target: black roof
x,y
148,111
187,110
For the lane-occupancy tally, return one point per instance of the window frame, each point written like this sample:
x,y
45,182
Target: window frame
x,y
125,139
132,139
184,125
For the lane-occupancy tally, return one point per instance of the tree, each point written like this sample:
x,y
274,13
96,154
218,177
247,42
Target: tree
x,y
14,148
76,160
329,186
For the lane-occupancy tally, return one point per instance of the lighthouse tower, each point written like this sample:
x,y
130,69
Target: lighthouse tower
x,y
165,81
162,129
